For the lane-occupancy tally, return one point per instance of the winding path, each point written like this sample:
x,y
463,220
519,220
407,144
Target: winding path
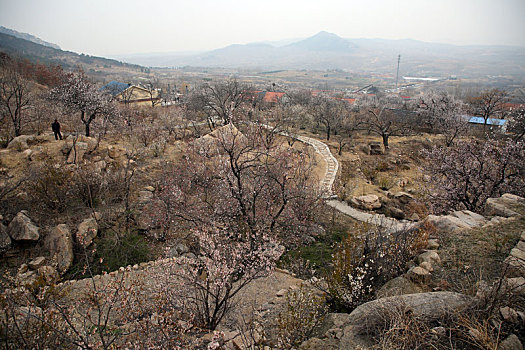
x,y
332,167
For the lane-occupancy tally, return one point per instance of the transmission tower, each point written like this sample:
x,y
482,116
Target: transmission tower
x,y
397,73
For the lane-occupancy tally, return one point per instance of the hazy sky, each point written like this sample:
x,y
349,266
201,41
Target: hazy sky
x,y
108,27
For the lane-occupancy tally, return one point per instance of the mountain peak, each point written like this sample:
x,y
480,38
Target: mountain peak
x,y
325,41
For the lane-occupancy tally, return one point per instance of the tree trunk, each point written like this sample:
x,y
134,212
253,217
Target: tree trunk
x,y
328,133
385,140
87,129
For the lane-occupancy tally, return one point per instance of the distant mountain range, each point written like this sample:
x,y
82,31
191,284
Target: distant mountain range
x,y
322,51
329,51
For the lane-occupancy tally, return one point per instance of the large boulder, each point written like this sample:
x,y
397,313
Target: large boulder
x,y
21,228
87,231
399,286
21,143
90,141
457,220
77,152
428,307
59,243
368,202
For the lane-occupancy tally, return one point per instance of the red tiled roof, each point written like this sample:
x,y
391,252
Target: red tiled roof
x,y
272,97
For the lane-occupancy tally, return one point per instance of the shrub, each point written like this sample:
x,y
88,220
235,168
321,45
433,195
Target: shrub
x,y
366,259
304,311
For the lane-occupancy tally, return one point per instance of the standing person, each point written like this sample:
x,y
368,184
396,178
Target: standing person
x,y
56,129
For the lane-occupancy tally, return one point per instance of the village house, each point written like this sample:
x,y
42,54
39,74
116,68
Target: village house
x,y
132,94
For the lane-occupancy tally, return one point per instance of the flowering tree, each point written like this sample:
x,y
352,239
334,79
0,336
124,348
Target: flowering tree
x,y
464,176
245,183
77,94
442,113
239,194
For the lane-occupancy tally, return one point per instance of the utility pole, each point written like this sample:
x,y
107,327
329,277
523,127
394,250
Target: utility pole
x,y
397,73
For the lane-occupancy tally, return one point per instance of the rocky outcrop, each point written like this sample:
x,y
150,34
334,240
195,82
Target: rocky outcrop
x,y
21,228
77,152
91,142
516,260
87,231
21,143
59,243
457,220
368,202
35,273
354,327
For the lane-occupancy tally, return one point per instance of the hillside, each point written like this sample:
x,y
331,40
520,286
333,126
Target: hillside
x,y
27,36
67,59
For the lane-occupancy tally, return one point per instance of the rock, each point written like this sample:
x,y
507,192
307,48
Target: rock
x,y
38,155
21,228
77,152
145,196
414,217
515,267
430,256
115,152
438,332
36,263
470,218
182,248
5,240
433,244
500,207
418,274
428,307
427,266
516,285
512,342
445,224
27,154
396,213
368,202
149,188
48,274
399,286
59,243
403,197
100,166
281,293
91,142
20,143
23,269
87,231
26,279
517,253
509,315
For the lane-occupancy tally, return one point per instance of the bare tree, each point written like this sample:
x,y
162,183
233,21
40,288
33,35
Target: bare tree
x,y
327,112
223,98
489,104
384,116
15,95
